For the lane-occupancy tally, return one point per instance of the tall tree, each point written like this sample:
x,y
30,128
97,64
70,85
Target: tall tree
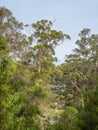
x,y
46,40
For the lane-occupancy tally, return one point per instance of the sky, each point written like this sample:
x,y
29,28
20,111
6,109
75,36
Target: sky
x,y
70,16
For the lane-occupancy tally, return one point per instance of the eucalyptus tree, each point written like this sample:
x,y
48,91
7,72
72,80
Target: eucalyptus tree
x,y
46,40
12,30
80,68
79,79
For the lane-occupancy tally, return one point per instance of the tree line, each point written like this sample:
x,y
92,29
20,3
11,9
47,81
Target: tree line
x,y
36,94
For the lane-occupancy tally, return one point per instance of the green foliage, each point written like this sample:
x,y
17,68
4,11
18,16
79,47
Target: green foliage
x,y
89,115
3,49
67,121
34,93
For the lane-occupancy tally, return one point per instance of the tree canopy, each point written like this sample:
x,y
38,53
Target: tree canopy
x,y
37,94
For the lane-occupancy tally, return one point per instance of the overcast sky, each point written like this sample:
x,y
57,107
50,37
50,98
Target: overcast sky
x,y
71,16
